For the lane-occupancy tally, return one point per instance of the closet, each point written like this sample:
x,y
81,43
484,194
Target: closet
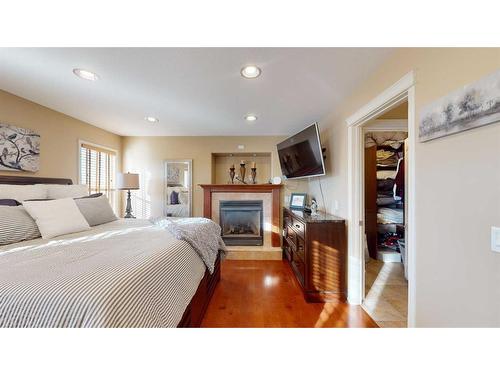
x,y
384,195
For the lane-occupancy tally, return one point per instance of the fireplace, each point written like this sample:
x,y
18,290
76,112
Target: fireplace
x,y
242,222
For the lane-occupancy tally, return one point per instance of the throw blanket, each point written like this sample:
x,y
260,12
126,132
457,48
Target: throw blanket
x,y
204,235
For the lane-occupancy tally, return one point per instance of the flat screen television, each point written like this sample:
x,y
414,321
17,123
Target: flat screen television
x,y
301,155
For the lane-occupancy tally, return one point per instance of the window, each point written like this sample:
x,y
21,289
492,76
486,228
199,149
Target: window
x,y
97,170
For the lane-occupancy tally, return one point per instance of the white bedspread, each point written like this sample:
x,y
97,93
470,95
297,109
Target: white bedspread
x,y
129,273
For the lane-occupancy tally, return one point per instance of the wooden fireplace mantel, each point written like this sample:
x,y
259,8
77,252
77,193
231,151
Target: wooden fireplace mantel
x,y
209,189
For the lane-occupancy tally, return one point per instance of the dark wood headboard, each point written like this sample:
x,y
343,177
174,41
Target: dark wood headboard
x,y
27,180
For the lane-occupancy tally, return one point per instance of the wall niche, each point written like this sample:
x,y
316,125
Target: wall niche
x,y
221,162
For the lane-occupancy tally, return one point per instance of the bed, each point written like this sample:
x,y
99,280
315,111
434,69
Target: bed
x,y
126,273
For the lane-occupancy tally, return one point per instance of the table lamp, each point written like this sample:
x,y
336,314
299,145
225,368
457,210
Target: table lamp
x,y
128,181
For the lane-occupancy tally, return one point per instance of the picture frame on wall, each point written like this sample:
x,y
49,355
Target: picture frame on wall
x,y
472,106
298,201
19,149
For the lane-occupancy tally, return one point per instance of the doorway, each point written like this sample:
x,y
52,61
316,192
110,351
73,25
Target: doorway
x,y
386,285
402,91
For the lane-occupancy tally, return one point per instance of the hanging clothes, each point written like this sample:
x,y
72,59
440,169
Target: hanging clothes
x,y
399,181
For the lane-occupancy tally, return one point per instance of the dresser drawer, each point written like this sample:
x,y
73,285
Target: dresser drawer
x,y
299,268
300,249
291,236
298,226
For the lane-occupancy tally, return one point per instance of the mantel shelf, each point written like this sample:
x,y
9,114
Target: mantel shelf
x,y
241,187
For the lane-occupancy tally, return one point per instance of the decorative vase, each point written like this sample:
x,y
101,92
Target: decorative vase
x,y
254,174
231,174
242,172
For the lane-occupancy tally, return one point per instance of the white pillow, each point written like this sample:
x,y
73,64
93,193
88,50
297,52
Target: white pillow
x,y
57,217
23,192
66,191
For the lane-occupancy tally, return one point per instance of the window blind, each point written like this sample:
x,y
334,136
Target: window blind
x,y
97,171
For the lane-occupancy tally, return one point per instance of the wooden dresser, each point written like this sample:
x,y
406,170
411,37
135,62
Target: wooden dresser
x,y
315,247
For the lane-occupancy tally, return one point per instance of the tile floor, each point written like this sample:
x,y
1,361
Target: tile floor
x,y
386,290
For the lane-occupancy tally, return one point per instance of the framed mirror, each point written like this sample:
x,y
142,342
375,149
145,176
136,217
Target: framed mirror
x,y
178,188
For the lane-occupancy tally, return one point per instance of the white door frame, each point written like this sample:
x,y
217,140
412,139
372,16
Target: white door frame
x,y
403,90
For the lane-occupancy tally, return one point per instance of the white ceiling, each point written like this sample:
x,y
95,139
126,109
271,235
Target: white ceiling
x,y
193,91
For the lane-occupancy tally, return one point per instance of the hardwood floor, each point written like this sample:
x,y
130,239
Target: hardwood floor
x,y
264,293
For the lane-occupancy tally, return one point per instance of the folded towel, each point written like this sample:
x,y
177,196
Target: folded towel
x,y
386,215
382,175
383,154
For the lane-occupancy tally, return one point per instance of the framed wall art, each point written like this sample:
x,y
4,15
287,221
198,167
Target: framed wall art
x,y
19,149
474,105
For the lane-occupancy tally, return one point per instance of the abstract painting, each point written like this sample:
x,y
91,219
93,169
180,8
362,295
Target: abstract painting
x,y
19,149
474,105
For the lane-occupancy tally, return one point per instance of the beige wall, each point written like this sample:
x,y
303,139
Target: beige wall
x,y
457,189
145,155
59,136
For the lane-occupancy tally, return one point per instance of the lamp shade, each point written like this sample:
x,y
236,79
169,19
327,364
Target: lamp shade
x,y
127,181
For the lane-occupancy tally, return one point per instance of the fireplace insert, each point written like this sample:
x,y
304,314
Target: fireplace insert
x,y
242,222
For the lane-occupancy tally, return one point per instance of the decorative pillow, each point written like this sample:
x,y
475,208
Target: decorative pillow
x,y
174,197
9,202
51,199
95,195
16,225
96,210
66,191
57,217
23,192
183,197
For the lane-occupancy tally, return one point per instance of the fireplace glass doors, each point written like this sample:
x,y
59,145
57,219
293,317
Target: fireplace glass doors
x,y
242,222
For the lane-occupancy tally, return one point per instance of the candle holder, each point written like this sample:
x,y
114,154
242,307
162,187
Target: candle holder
x,y
253,174
242,172
232,174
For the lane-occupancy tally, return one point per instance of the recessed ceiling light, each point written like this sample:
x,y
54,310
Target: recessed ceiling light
x,y
250,71
250,117
151,119
85,74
